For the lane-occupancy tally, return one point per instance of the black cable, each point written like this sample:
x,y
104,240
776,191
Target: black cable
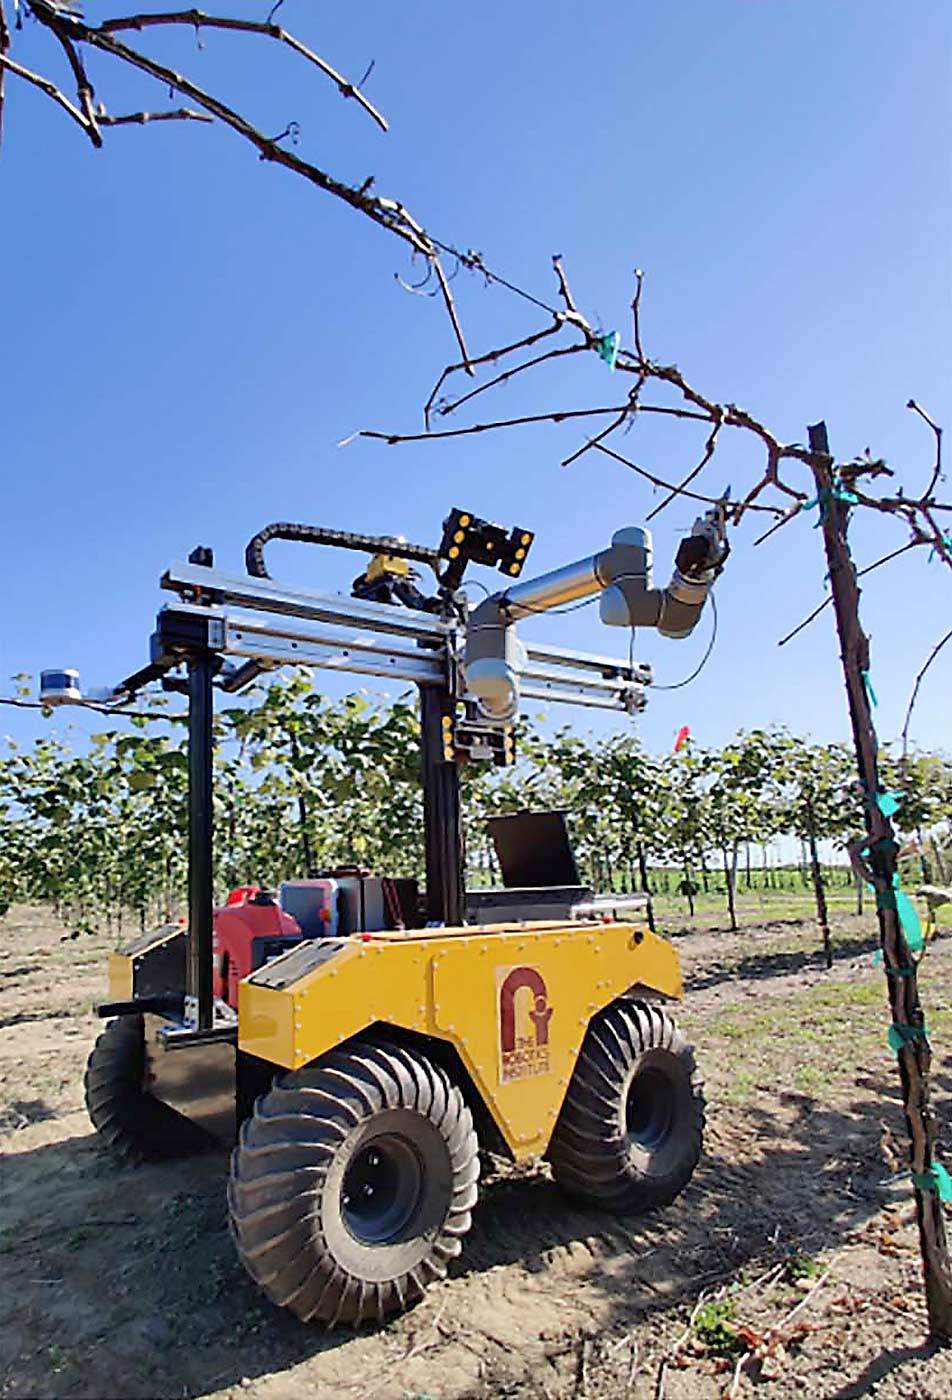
x,y
474,263
679,685
90,705
552,612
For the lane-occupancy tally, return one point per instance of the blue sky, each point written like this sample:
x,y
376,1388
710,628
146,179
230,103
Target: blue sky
x,y
188,332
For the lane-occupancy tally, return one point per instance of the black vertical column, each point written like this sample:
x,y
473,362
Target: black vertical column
x,y
441,812
200,830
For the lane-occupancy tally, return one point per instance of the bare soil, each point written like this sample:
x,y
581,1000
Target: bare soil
x,y
789,1266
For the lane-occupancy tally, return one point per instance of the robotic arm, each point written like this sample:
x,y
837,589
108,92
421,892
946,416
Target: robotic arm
x,y
494,656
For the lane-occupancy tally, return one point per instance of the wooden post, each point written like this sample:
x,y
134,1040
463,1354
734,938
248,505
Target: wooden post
x,y
914,1054
819,889
688,887
729,881
645,887
307,854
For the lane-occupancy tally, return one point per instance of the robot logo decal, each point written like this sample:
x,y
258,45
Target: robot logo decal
x,y
523,1023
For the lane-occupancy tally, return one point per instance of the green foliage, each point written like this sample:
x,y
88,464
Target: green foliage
x,y
305,782
713,1327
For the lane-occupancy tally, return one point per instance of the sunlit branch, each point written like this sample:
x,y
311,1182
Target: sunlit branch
x,y
490,357
915,690
4,50
561,416
72,32
196,19
937,468
178,114
894,554
668,486
45,86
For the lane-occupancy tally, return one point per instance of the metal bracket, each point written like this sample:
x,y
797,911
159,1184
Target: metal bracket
x,y
176,1037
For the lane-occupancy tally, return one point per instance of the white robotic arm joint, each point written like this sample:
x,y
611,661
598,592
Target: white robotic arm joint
x,y
622,574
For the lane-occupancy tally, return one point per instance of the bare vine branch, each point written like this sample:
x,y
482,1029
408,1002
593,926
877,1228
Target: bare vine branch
x,y
508,374
937,469
623,415
45,86
921,514
391,439
4,50
73,34
887,558
178,114
667,486
197,19
645,371
636,315
708,454
433,405
84,89
915,689
789,514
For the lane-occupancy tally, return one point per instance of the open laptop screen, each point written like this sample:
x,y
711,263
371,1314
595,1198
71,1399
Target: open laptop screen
x,y
533,850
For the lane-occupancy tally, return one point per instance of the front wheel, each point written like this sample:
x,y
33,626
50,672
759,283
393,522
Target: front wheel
x,y
353,1183
629,1134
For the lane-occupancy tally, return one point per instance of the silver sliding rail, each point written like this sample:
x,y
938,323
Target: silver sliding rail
x,y
264,621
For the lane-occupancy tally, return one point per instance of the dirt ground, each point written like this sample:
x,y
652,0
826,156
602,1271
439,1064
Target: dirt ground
x,y
789,1266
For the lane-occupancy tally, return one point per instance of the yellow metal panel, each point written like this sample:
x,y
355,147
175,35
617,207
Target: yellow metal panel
x,y
370,982
125,961
515,1002
266,1023
120,977
367,982
517,1006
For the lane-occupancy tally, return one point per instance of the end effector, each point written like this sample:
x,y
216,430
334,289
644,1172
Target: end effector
x,y
629,600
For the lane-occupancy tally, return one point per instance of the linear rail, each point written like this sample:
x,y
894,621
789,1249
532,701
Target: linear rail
x,y
332,632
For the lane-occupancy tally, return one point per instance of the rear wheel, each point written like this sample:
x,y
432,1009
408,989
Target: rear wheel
x,y
353,1183
130,1121
629,1134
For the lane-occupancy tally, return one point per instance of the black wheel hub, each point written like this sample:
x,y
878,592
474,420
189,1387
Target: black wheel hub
x,y
381,1190
649,1108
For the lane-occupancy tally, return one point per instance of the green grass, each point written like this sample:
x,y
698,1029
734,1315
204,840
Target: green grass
x,y
758,906
789,1043
729,1030
802,1266
713,1327
56,1356
870,993
810,1078
744,1026
814,1041
752,907
741,1087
